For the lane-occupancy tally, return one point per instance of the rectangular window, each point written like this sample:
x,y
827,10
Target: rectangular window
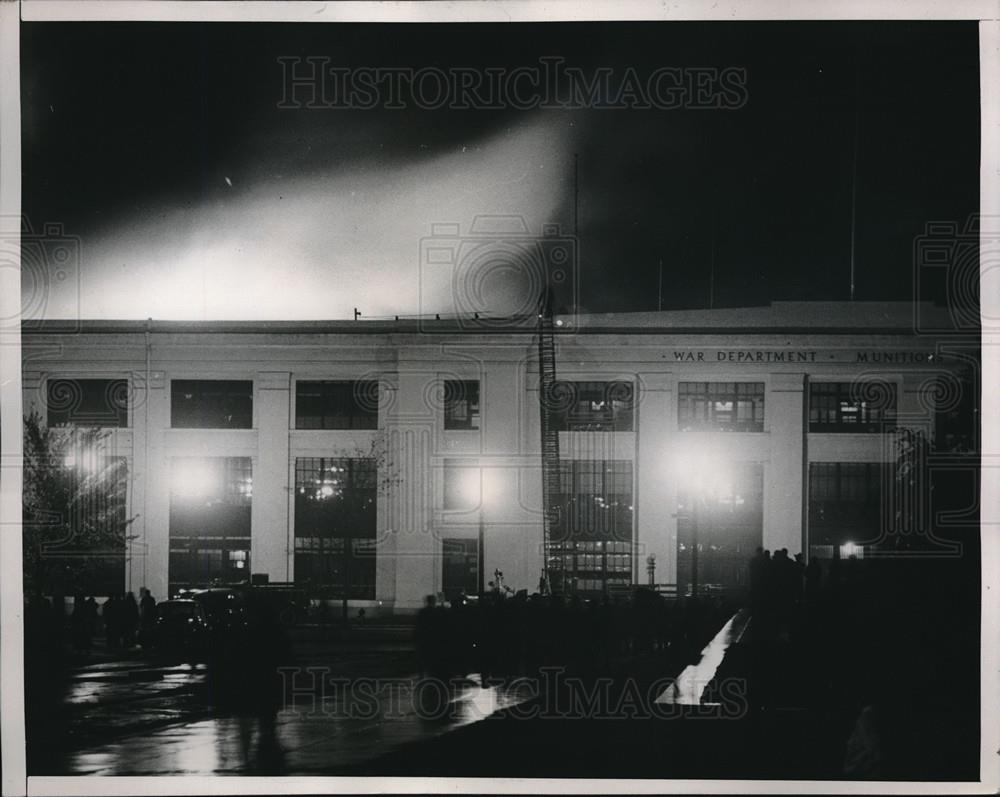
x,y
461,404
87,402
720,406
592,406
344,404
851,406
335,525
956,415
211,403
591,550
846,504
210,505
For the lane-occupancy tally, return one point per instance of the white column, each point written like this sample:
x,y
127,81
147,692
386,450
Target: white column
x,y
512,480
656,497
269,533
137,474
385,551
783,474
151,548
410,430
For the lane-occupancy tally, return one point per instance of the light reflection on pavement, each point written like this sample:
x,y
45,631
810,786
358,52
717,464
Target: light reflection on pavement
x,y
337,730
115,681
689,687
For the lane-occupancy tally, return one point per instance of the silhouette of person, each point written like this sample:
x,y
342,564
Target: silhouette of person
x,y
430,639
813,575
80,624
129,620
758,577
111,613
147,616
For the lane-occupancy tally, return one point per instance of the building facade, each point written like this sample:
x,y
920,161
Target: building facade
x,y
387,460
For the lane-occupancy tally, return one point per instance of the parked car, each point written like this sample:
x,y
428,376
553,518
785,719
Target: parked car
x,y
229,608
181,628
224,608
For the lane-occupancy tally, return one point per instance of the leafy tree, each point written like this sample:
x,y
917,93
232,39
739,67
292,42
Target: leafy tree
x,y
74,509
914,503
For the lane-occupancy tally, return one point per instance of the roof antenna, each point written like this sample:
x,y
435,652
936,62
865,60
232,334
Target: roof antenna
x,y
711,264
854,167
659,290
576,198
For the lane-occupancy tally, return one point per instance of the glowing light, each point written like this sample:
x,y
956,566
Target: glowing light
x,y
177,261
87,460
470,486
193,479
850,549
702,472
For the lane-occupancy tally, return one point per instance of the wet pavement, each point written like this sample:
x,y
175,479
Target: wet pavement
x,y
689,687
348,707
317,734
772,697
113,699
357,708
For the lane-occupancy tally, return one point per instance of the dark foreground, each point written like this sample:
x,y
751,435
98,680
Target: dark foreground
x,y
875,676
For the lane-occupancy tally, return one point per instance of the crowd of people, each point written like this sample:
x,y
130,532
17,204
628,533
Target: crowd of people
x,y
504,636
125,622
781,587
507,634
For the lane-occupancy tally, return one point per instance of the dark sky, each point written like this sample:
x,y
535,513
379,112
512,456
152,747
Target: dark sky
x,y
130,132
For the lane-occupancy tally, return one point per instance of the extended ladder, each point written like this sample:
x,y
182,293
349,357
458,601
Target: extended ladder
x,y
552,576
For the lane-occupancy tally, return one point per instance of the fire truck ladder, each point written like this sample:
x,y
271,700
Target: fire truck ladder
x,y
550,441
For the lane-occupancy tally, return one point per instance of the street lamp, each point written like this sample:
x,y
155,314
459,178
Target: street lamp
x,y
702,476
194,479
471,490
482,495
481,557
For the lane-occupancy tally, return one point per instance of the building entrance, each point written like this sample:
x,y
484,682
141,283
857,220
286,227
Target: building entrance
x,y
718,530
460,567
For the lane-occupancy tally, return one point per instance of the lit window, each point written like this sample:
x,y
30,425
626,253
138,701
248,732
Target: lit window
x,y
847,503
851,407
335,525
210,508
592,548
592,406
851,551
461,404
720,406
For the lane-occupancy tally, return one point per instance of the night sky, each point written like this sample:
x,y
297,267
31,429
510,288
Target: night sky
x,y
194,196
